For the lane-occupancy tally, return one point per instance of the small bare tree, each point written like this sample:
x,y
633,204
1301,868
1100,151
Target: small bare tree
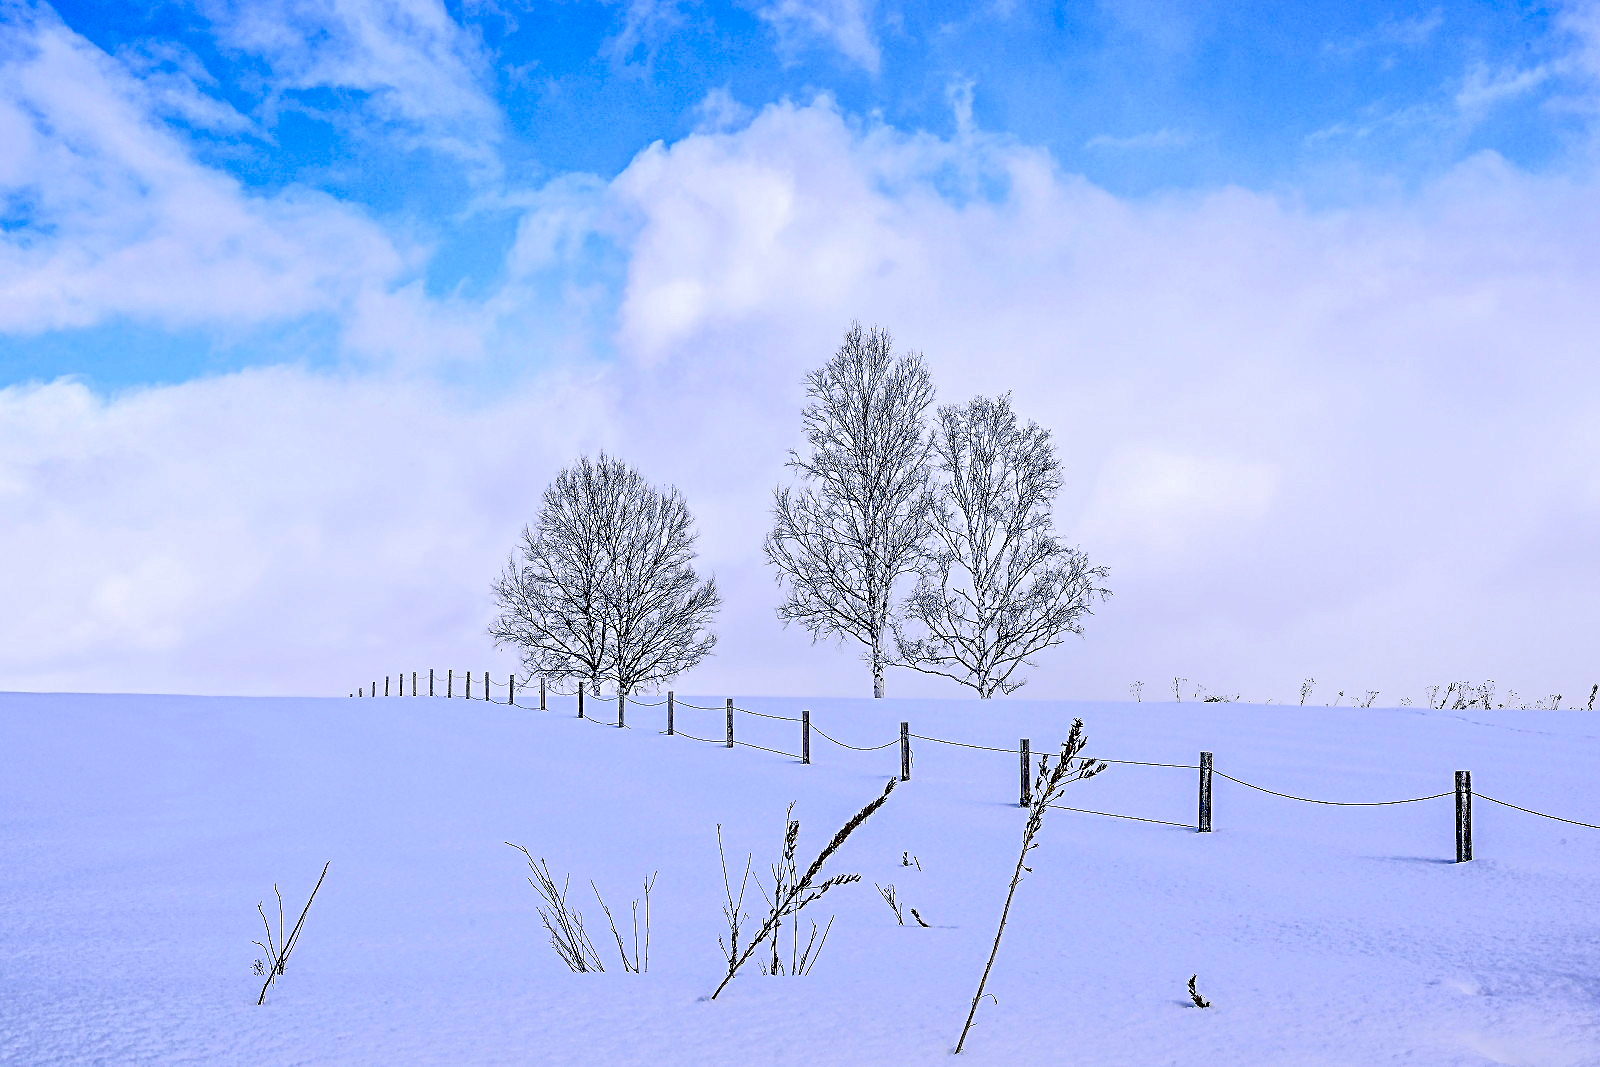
x,y
998,587
607,589
858,524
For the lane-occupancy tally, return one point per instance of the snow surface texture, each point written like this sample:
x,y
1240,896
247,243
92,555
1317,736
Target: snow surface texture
x,y
139,832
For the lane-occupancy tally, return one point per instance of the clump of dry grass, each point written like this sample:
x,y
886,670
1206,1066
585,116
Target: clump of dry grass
x,y
888,894
1194,994
278,948
564,922
791,892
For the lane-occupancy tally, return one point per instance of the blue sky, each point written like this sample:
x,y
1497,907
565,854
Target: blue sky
x,y
1288,283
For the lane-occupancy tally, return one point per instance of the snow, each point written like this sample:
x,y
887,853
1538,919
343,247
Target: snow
x,y
138,833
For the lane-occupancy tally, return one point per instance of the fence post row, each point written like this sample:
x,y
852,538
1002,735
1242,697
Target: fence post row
x,y
622,710
805,735
580,700
669,712
1026,796
1463,816
1205,793
730,722
905,752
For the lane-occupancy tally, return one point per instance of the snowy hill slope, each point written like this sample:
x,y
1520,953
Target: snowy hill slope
x,y
137,834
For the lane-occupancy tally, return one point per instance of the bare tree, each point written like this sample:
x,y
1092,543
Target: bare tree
x,y
606,589
842,539
998,587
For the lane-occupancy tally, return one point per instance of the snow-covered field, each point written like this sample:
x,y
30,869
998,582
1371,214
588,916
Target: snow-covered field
x,y
137,834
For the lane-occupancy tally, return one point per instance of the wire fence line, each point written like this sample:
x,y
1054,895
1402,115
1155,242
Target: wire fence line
x,y
1206,770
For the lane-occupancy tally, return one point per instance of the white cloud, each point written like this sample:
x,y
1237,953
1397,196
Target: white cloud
x,y
1267,410
424,74
844,24
123,221
719,111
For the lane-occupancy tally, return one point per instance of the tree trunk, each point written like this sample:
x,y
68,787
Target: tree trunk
x,y
877,670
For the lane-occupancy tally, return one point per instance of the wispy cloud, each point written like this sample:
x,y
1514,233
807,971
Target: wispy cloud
x,y
1390,33
420,73
646,24
1155,139
845,25
1485,88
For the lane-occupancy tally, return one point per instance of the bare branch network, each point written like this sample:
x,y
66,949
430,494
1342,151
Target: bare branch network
x,y
994,587
997,586
856,523
606,590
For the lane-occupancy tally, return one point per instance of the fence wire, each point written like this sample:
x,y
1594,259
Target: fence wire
x,y
1332,803
774,751
854,748
1135,818
707,740
1530,811
765,715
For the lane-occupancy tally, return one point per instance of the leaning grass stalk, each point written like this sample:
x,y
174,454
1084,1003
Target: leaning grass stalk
x,y
798,894
1047,788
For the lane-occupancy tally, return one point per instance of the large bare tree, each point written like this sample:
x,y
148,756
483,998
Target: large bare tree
x,y
998,587
606,589
856,523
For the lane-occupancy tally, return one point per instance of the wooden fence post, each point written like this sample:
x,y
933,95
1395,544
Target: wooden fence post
x,y
730,722
580,700
488,693
469,686
385,685
805,735
374,689
1205,793
1463,816
622,710
670,710
1026,797
413,683
450,683
905,752
511,689
541,693
430,681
